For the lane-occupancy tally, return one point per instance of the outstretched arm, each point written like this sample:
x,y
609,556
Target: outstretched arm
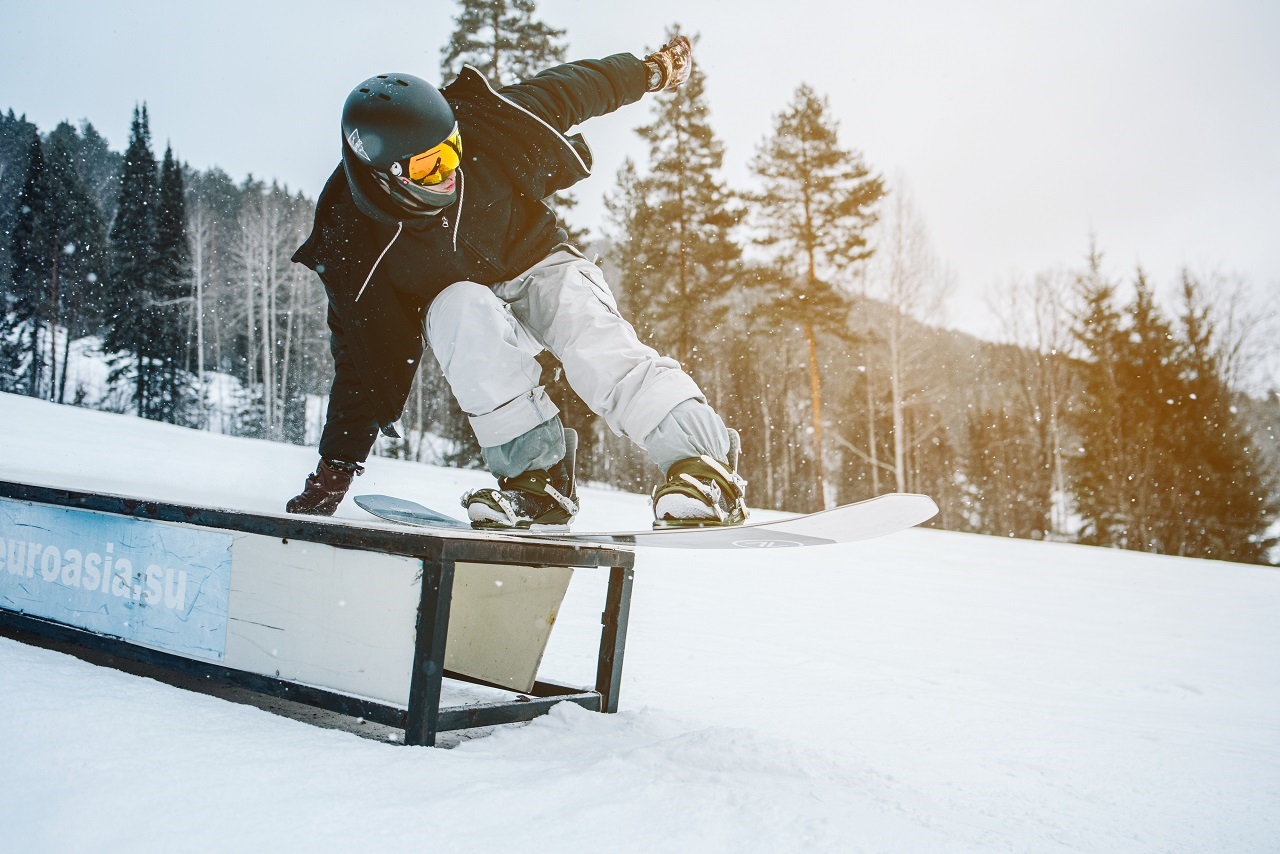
x,y
569,94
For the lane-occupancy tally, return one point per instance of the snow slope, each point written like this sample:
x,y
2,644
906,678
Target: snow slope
x,y
928,691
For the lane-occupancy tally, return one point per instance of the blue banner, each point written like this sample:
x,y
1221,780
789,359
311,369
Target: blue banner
x,y
161,584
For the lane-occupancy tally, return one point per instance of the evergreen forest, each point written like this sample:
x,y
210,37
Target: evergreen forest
x,y
1113,411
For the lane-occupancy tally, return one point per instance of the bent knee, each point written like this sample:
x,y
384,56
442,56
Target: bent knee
x,y
461,295
459,300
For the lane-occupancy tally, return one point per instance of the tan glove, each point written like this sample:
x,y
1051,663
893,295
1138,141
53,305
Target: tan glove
x,y
670,66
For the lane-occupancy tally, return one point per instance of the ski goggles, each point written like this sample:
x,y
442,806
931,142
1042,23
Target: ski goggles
x,y
433,165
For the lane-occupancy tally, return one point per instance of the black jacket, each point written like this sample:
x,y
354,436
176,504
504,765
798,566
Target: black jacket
x,y
382,270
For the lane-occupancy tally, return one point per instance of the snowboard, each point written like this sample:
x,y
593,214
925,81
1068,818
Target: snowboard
x,y
864,520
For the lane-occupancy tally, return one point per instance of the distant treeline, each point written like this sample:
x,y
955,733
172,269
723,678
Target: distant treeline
x,y
804,305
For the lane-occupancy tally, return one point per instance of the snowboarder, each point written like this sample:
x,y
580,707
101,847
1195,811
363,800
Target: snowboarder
x,y
433,224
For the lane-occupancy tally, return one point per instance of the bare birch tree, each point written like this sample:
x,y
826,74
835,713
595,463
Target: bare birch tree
x,y
1035,317
269,231
909,278
200,232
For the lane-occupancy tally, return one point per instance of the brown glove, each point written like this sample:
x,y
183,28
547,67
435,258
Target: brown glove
x,y
669,66
324,489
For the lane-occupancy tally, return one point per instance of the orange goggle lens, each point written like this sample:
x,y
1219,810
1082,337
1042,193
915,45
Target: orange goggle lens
x,y
432,166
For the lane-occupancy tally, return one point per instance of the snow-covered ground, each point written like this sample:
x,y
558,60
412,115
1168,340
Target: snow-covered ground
x,y
926,692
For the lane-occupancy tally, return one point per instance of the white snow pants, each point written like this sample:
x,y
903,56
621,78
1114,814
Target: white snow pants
x,y
485,340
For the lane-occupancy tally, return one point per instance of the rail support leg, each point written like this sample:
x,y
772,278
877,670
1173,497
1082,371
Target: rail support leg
x,y
428,652
613,637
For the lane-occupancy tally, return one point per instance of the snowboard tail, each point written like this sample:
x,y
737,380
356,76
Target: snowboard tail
x,y
865,520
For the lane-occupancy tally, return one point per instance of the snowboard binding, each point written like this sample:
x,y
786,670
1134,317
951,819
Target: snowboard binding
x,y
546,499
702,492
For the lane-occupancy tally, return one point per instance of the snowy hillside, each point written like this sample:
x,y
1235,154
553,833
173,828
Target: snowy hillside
x,y
928,691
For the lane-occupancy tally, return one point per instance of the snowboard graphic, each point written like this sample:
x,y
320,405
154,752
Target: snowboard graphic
x,y
865,520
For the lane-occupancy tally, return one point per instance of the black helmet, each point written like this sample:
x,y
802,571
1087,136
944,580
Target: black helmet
x,y
389,119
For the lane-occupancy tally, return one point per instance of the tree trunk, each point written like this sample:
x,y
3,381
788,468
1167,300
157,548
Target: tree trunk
x,y
287,362
871,437
686,354
66,357
53,328
199,229
497,32
815,396
1058,507
899,429
767,422
268,321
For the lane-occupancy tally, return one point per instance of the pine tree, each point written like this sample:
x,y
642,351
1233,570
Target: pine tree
x,y
1128,351
1225,503
33,252
133,333
502,40
171,303
817,203
97,166
81,254
1165,465
15,148
1006,476
680,255
173,254
631,220
58,258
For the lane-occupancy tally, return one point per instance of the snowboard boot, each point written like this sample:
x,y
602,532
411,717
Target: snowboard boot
x,y
324,490
702,492
547,498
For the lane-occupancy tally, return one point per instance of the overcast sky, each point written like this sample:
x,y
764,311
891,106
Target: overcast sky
x,y
1020,127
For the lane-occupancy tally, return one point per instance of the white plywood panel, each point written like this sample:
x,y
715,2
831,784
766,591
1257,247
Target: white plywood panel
x,y
346,620
501,620
335,618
